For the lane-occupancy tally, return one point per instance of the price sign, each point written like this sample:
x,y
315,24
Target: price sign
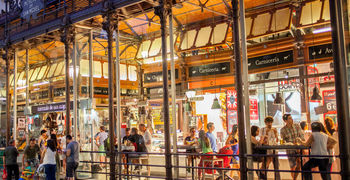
x,y
330,101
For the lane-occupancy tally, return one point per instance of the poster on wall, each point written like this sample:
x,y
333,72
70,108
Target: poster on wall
x,y
330,103
313,82
21,122
231,107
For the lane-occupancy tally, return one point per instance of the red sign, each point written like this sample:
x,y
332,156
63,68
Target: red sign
x,y
329,101
232,109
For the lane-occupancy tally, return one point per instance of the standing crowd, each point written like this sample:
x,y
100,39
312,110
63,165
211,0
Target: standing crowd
x,y
49,155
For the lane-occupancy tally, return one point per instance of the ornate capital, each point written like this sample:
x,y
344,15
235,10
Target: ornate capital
x,y
67,34
110,22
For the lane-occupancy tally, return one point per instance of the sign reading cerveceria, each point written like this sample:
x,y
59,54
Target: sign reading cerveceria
x,y
270,60
209,69
30,8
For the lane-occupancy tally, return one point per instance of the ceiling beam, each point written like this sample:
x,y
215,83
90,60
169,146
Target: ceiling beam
x,y
206,8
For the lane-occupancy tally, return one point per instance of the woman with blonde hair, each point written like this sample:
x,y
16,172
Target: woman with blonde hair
x,y
332,131
204,146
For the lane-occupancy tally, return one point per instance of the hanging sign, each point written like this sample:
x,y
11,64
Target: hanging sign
x,y
321,51
209,69
270,60
158,76
231,106
30,8
51,107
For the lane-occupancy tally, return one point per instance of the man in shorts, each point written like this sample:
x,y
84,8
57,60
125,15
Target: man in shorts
x,y
290,133
100,139
72,155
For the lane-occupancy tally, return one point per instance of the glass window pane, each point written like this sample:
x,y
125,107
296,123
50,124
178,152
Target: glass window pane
x,y
52,70
59,69
42,73
105,70
132,73
123,72
21,81
97,69
84,68
35,74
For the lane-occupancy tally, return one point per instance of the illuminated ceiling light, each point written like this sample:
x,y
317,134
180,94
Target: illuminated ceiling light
x,y
322,30
41,83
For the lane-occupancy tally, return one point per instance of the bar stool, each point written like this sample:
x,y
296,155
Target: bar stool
x,y
140,159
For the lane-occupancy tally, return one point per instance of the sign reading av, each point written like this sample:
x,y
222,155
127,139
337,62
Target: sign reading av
x,y
321,51
210,69
30,8
270,60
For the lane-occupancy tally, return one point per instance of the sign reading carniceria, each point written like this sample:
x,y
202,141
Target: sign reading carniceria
x,y
270,60
31,8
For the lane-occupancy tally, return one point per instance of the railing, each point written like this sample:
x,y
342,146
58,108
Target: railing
x,y
202,167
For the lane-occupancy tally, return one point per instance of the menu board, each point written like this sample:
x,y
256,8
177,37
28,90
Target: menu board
x,y
157,116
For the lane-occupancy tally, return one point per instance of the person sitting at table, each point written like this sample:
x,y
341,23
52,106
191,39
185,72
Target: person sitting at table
x,y
232,141
255,151
271,139
289,133
205,147
139,144
191,140
320,144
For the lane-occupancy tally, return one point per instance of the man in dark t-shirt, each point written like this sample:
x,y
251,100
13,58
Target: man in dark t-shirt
x,y
127,135
31,153
10,159
137,140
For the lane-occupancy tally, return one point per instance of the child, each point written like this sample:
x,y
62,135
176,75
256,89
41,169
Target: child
x,y
27,173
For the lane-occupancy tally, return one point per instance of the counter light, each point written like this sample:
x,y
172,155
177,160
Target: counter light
x,y
322,30
41,83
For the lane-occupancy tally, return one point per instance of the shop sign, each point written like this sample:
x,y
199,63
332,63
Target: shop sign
x,y
61,91
270,60
209,69
50,107
289,85
30,8
329,101
321,51
158,76
198,98
101,90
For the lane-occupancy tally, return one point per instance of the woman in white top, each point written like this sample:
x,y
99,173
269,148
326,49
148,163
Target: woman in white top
x,y
48,159
320,143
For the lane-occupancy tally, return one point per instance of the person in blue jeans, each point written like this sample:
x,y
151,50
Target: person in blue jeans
x,y
49,160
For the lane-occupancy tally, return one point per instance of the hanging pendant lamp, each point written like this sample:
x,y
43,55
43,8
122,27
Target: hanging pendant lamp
x,y
316,94
216,104
278,99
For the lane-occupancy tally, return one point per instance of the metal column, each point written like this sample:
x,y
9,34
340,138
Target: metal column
x,y
91,90
161,11
117,84
8,97
75,90
109,26
239,89
27,91
246,85
67,38
340,57
173,92
15,96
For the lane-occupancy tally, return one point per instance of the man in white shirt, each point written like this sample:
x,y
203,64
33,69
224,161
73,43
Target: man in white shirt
x,y
146,136
148,142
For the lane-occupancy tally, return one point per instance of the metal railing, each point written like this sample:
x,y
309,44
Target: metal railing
x,y
203,166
